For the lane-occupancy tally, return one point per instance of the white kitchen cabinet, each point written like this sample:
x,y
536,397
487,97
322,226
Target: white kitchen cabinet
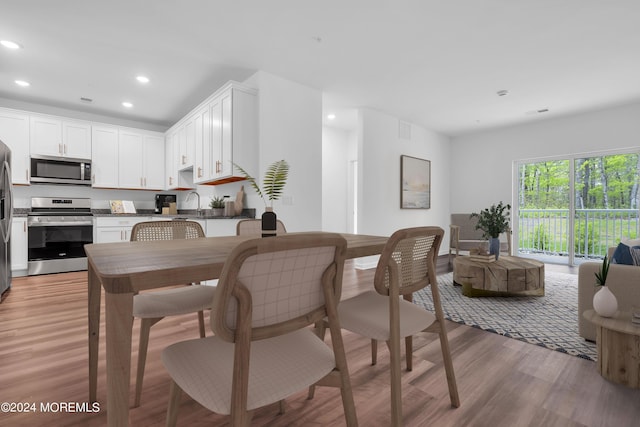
x,y
111,229
187,144
203,170
140,160
175,179
104,157
234,132
51,136
224,130
221,227
19,245
14,131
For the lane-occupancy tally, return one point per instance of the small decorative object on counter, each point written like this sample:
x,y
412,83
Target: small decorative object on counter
x,y
229,209
274,181
604,301
239,204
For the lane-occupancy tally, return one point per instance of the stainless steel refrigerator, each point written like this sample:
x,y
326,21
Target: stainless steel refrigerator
x,y
6,214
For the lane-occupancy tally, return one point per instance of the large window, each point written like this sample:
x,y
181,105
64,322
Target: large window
x,y
571,210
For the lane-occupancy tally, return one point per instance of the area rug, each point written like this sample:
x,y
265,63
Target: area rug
x,y
549,321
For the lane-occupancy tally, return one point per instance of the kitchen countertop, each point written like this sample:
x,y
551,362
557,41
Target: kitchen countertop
x,y
187,213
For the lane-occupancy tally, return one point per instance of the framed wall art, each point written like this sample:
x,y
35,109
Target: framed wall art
x,y
415,182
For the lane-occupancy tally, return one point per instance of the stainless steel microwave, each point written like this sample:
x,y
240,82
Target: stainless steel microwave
x,y
60,170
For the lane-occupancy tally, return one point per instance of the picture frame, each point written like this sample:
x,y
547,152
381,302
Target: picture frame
x,y
415,183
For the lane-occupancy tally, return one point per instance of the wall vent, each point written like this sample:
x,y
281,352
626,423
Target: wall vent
x,y
404,130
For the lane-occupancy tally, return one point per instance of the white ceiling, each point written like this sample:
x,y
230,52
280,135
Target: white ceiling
x,y
436,63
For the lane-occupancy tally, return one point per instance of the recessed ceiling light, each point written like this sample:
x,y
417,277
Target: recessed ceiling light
x,y
127,104
142,79
9,44
22,83
502,92
331,116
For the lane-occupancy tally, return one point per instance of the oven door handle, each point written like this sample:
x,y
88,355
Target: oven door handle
x,y
59,223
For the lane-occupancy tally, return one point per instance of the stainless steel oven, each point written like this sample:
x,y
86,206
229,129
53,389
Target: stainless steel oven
x,y
58,229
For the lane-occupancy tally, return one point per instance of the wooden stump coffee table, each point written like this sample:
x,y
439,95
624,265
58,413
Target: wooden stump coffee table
x,y
618,342
506,276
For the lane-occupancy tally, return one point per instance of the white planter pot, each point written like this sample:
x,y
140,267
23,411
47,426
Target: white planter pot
x,y
604,302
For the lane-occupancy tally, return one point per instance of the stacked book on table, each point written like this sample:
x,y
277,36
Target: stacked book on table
x,y
482,257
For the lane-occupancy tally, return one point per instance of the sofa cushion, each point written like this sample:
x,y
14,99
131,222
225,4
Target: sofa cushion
x,y
622,255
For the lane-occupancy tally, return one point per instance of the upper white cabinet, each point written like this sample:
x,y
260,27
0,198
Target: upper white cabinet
x,y
234,136
175,179
187,143
140,160
14,131
104,157
224,130
51,136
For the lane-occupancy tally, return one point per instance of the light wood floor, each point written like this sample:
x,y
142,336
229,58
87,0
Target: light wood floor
x,y
502,382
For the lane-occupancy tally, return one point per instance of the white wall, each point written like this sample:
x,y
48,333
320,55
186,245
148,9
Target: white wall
x,y
481,167
290,128
338,149
379,151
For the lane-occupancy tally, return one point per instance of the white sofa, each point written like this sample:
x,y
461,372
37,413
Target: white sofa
x,y
622,280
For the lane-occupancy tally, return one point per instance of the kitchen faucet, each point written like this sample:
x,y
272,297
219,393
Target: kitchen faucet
x,y
198,210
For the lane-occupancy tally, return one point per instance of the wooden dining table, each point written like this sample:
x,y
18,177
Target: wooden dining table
x,y
125,268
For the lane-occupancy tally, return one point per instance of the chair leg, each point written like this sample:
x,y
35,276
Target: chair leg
x,y
448,367
145,328
396,384
201,323
408,345
374,352
281,408
174,403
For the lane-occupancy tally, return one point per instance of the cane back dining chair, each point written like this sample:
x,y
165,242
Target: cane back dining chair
x,y
262,350
247,227
151,307
407,264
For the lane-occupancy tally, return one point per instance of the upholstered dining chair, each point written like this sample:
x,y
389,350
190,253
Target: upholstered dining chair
x,y
407,264
262,351
247,227
151,307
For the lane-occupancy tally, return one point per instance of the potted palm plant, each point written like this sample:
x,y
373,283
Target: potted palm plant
x,y
273,184
493,222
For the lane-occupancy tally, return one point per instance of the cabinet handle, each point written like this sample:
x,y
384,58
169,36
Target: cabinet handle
x,y
141,182
59,148
184,159
65,149
199,172
26,174
170,180
93,178
24,226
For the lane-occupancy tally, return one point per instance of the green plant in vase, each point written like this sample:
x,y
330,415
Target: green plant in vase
x,y
217,204
604,301
493,222
273,184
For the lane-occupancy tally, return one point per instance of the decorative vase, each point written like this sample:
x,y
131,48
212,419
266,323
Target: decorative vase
x,y
494,246
604,302
268,223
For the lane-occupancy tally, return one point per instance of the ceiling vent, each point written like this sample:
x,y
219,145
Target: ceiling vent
x,y
404,130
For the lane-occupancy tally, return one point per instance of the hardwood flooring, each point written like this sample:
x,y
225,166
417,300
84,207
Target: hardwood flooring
x,y
502,382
